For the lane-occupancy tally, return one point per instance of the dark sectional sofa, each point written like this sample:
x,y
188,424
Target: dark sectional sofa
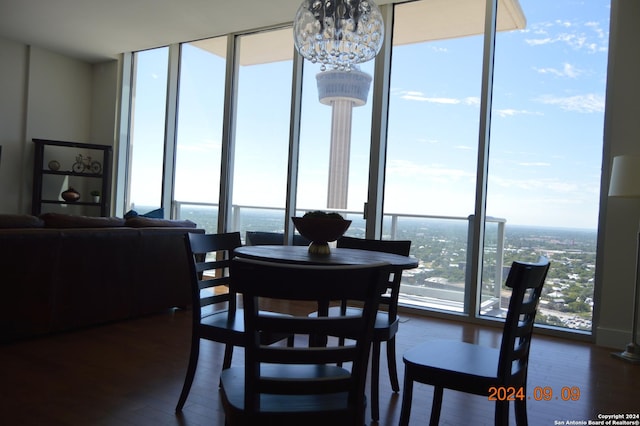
x,y
59,272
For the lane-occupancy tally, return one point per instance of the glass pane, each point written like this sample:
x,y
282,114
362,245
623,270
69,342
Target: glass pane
x,y
546,153
262,131
430,176
147,130
335,136
199,131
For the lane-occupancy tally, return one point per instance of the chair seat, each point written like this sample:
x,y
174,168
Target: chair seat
x,y
233,326
222,319
453,364
235,322
330,407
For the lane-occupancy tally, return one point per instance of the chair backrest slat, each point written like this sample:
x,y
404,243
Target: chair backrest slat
x,y
259,238
209,257
526,281
258,280
286,355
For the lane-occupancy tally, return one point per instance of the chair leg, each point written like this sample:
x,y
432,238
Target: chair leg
x,y
521,412
436,406
340,343
502,413
228,354
191,372
375,381
392,365
407,395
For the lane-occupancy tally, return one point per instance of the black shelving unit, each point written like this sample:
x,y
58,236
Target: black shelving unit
x,y
42,172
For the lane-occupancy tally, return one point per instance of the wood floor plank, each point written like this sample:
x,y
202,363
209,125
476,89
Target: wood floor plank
x,y
131,373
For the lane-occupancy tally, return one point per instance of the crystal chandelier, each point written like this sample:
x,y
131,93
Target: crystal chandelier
x,y
338,33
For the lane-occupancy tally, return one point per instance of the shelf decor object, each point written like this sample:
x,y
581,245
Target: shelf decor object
x,y
625,182
54,165
338,33
70,195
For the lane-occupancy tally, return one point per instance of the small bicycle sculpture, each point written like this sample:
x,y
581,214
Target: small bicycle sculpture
x,y
85,164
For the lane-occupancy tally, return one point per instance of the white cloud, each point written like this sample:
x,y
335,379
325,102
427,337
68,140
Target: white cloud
x,y
471,100
414,96
579,36
595,27
567,70
580,103
510,112
539,41
411,95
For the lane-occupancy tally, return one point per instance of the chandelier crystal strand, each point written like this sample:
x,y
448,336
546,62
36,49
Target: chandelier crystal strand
x,y
338,33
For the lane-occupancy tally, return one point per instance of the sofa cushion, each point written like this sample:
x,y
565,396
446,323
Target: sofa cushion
x,y
59,220
145,222
8,221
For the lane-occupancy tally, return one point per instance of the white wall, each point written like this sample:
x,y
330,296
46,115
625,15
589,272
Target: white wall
x,y
619,217
13,77
105,91
49,96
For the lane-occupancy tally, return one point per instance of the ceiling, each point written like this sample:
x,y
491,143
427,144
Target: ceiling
x,y
99,30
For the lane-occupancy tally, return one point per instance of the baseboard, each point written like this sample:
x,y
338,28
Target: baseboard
x,y
612,338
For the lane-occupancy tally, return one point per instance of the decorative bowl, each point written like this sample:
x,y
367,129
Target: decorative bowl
x,y
320,231
70,195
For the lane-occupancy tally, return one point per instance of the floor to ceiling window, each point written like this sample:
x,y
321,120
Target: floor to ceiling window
x,y
546,152
261,130
199,131
432,148
147,132
544,156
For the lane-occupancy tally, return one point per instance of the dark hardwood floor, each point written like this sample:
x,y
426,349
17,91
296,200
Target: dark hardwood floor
x,y
131,373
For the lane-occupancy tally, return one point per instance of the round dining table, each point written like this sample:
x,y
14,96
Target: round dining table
x,y
299,255
339,256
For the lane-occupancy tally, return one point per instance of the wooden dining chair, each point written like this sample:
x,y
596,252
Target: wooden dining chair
x,y
387,321
497,373
302,385
260,238
215,314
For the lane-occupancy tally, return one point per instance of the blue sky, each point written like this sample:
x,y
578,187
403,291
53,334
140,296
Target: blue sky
x,y
546,135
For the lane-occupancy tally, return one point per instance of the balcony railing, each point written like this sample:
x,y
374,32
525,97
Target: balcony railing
x,y
419,288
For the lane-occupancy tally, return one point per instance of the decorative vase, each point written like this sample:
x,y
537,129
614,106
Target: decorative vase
x,y
96,198
70,195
